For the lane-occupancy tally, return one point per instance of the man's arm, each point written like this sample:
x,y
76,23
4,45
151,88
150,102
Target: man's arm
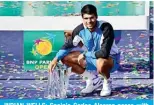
x,y
108,34
67,47
61,53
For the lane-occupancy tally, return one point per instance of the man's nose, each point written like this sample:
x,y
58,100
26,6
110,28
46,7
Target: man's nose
x,y
89,20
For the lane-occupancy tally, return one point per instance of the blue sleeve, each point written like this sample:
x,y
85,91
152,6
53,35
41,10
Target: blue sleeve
x,y
68,45
61,53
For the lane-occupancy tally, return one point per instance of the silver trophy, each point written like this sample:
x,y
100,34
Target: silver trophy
x,y
57,83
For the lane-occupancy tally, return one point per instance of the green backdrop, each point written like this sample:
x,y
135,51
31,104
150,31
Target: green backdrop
x,y
36,46
68,8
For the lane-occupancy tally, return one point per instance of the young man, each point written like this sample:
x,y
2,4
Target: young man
x,y
97,38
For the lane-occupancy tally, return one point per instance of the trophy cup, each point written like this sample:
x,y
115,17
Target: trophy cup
x,y
57,83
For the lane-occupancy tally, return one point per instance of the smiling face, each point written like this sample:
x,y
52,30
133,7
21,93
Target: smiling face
x,y
89,20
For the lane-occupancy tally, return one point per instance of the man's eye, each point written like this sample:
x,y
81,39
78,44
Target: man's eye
x,y
92,18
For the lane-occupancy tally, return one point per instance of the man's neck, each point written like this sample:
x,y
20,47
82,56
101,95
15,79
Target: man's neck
x,y
92,29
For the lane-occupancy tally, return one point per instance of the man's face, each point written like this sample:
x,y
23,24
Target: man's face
x,y
89,20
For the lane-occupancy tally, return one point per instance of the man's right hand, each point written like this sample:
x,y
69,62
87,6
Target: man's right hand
x,y
52,64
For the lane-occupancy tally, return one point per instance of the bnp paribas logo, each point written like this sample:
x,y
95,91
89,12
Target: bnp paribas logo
x,y
43,46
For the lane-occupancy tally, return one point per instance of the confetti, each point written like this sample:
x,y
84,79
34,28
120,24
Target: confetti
x,y
10,54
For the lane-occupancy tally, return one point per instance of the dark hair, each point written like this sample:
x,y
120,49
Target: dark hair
x,y
89,9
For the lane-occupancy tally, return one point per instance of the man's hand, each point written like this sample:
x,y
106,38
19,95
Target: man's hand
x,y
52,64
80,57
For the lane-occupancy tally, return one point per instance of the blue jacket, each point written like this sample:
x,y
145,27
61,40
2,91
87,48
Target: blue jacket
x,y
99,43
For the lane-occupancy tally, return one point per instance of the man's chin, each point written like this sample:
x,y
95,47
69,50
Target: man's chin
x,y
90,27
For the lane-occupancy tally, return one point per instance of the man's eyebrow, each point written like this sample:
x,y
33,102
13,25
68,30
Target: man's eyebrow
x,y
88,17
